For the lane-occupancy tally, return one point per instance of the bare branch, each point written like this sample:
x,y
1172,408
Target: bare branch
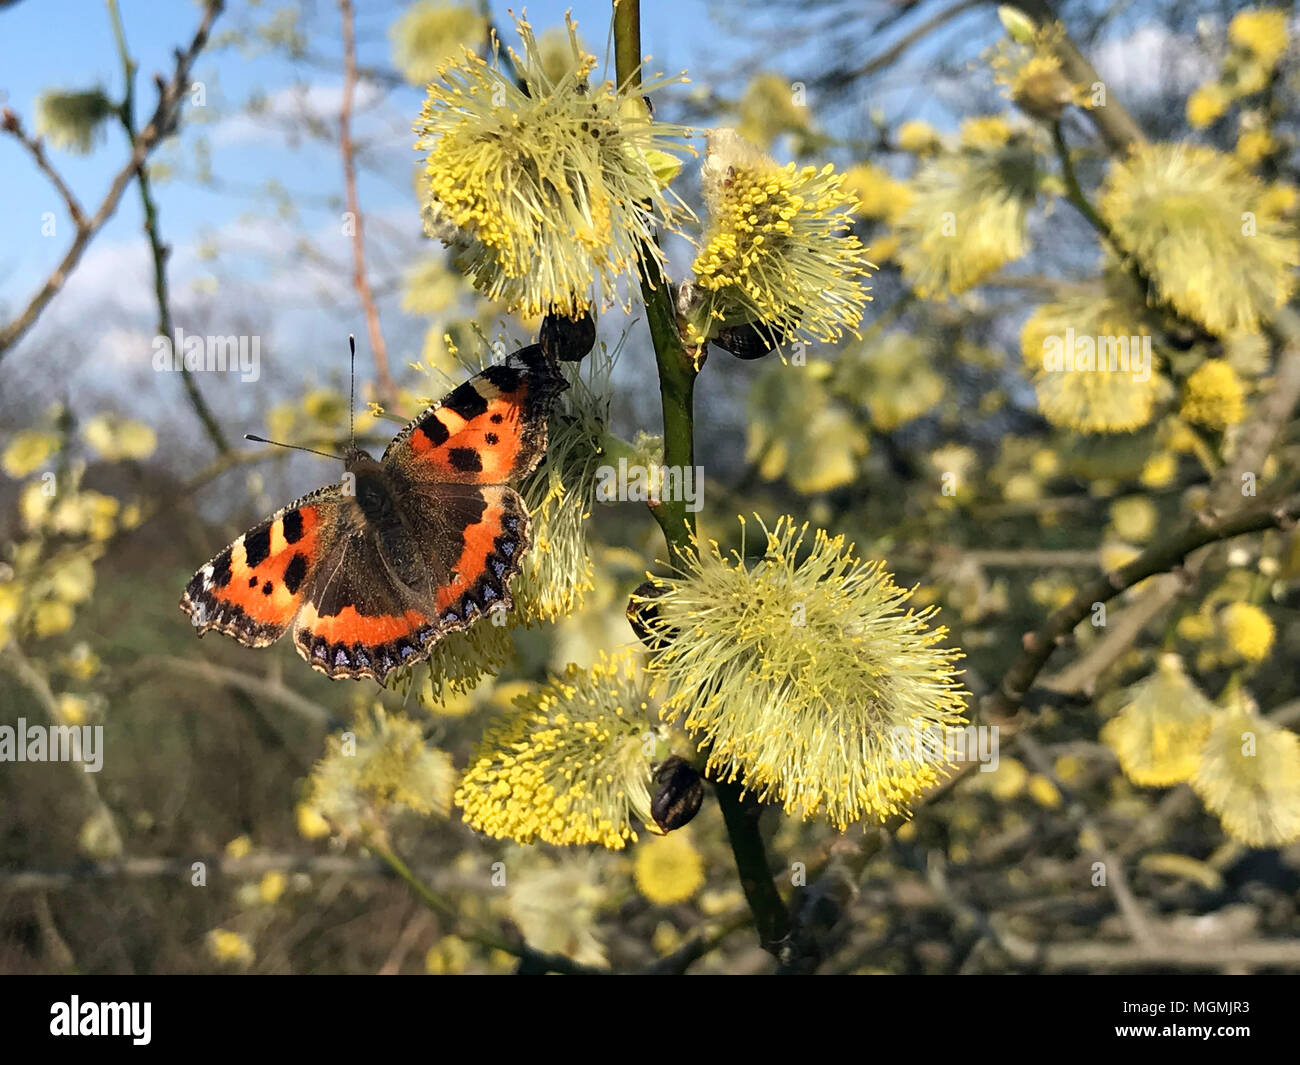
x,y
161,124
360,281
12,124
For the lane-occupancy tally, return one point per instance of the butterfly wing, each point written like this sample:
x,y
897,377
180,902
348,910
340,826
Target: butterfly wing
x,y
363,597
253,589
489,430
386,595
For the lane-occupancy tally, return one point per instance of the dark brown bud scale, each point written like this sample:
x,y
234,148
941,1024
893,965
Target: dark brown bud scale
x,y
678,792
747,341
644,617
567,339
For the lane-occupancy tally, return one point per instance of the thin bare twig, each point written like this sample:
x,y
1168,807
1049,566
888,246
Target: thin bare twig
x,y
12,125
161,124
159,251
361,282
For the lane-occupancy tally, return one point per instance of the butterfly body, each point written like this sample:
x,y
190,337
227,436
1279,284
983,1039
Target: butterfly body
x,y
369,574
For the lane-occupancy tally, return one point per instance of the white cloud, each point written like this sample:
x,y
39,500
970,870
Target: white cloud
x,y
1150,60
289,105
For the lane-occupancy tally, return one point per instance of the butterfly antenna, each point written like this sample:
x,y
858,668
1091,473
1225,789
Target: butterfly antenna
x,y
352,392
293,447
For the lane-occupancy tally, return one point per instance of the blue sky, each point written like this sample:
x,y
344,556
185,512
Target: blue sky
x,y
95,335
68,43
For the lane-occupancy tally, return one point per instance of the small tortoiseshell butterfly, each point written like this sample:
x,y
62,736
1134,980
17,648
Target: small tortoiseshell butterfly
x,y
426,543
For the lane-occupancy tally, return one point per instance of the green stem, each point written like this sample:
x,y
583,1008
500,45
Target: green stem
x,y
677,373
770,915
1074,191
535,960
677,369
1146,285
126,115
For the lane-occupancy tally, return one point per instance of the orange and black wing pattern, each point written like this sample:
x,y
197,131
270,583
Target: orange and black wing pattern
x,y
427,543
361,619
489,430
254,588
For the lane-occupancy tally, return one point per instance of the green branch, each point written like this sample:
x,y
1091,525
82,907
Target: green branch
x,y
677,373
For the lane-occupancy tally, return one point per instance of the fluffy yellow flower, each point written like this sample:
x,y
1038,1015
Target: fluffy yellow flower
x,y
1195,628
1254,146
428,34
73,709
804,676
558,573
381,764
311,825
271,887
230,948
1191,217
570,765
1028,66
967,218
1249,776
1043,791
796,430
1248,631
1262,32
1134,518
668,869
879,194
985,132
1279,199
768,110
777,251
119,438
28,451
1207,104
1009,780
891,377
1041,89
549,187
1215,396
919,138
1160,731
1106,385
239,847
1159,470
51,618
556,902
450,954
72,121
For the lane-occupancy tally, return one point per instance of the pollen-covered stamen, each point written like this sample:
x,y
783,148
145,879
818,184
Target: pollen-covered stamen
x,y
778,252
548,188
571,765
805,677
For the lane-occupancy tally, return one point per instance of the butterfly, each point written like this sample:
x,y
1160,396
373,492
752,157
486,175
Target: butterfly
x,y
370,573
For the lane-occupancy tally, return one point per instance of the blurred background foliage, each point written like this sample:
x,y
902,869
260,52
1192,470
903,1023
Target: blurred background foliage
x,y
933,440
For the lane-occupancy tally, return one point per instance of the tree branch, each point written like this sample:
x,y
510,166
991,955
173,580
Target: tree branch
x,y
1196,533
158,250
12,124
161,124
360,280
